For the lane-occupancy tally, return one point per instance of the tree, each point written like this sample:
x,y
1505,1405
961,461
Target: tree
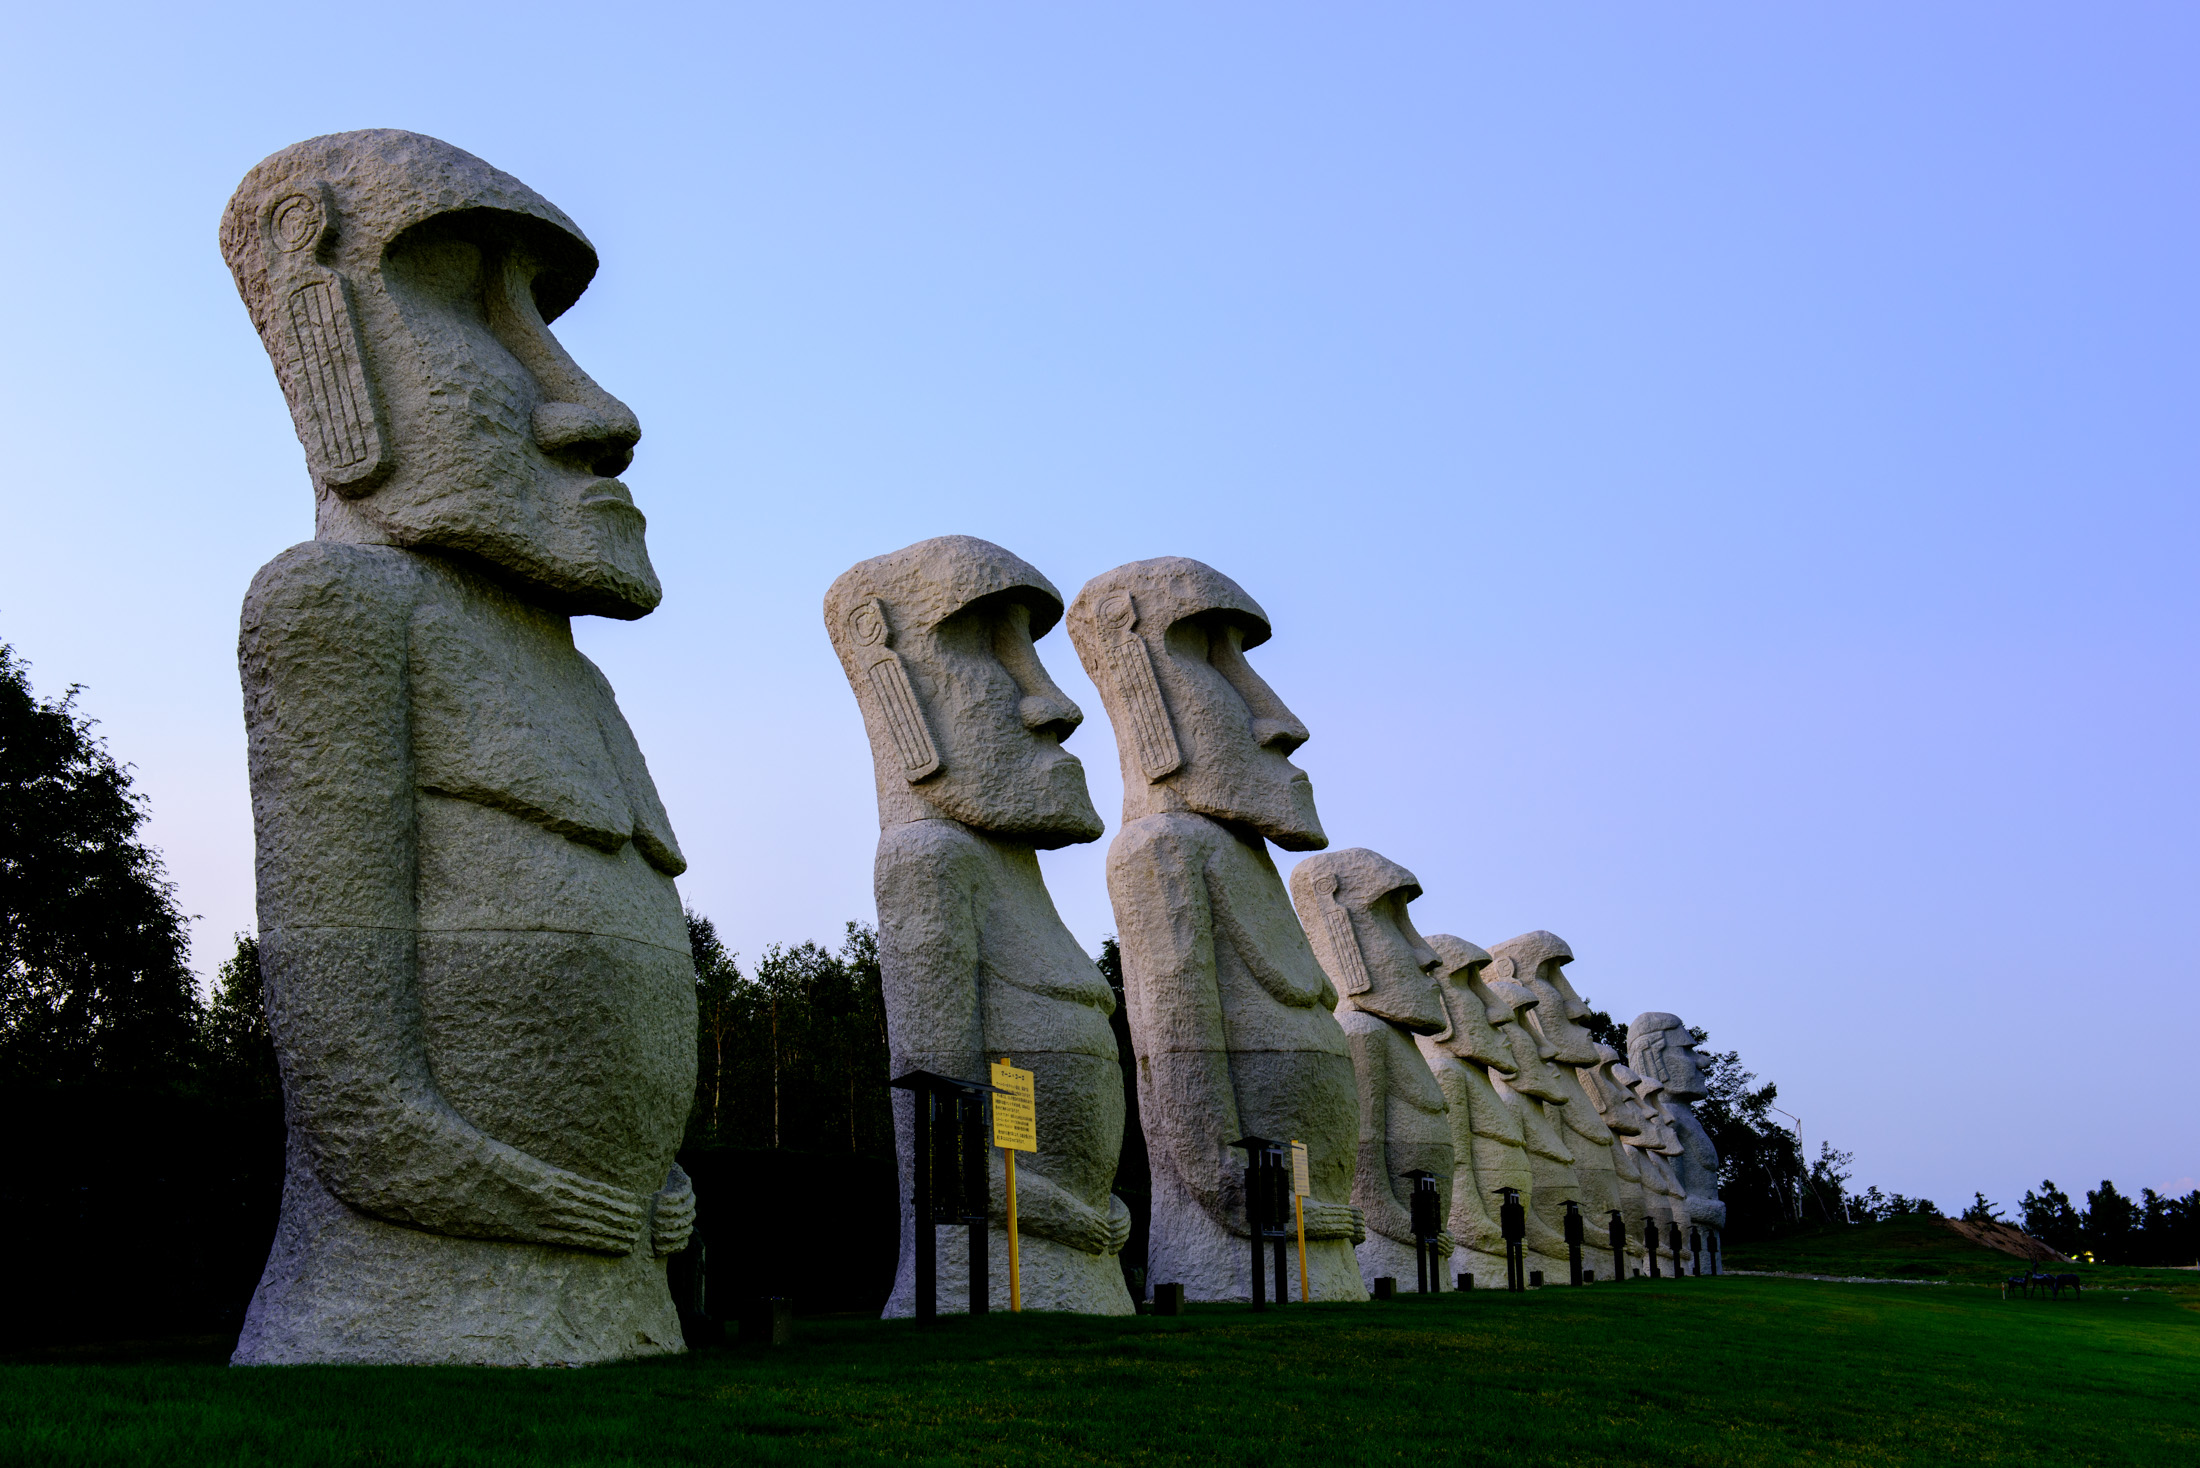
x,y
2049,1218
1761,1173
94,986
2111,1225
1982,1211
793,1055
1605,1030
239,1051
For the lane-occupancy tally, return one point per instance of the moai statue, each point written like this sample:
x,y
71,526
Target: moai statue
x,y
966,735
1661,1048
1537,1095
1656,1147
1486,1143
1610,1086
477,971
1352,904
1229,1010
1537,960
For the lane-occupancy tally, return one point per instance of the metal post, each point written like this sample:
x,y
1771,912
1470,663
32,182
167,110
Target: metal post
x,y
1650,1240
926,1246
1616,1233
1673,1244
1425,1203
1695,1251
971,1110
1573,1240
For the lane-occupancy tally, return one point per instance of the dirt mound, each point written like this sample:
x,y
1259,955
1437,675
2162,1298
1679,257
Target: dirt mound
x,y
2006,1238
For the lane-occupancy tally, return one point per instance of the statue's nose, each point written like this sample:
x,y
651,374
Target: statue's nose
x,y
600,433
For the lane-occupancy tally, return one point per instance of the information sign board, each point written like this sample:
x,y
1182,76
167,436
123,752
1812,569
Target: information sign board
x,y
1301,1187
1015,1110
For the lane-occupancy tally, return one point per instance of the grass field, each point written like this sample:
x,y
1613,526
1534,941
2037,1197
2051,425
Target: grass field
x,y
1728,1371
1919,1248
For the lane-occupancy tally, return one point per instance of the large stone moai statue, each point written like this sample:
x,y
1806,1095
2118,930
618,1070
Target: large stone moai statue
x,y
477,970
1488,1151
966,743
1642,1180
1229,1010
1537,961
1353,906
1661,1048
1537,1094
1657,1147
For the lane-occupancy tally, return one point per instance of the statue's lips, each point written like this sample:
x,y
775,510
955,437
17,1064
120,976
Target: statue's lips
x,y
610,494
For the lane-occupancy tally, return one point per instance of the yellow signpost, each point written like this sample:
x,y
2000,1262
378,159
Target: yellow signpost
x,y
1301,1186
1016,1129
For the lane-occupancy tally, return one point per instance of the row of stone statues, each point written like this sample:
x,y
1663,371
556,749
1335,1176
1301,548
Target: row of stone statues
x,y
476,969
1318,1014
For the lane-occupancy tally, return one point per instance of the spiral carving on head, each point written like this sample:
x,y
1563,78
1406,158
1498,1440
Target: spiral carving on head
x,y
1343,943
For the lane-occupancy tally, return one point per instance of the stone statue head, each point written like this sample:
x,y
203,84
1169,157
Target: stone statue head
x,y
1197,729
1658,1132
1352,904
1538,960
1533,1073
936,640
1660,1048
404,290
1473,1010
1614,1097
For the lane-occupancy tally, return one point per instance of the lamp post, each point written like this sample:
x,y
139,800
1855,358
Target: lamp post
x,y
1267,1187
1426,1226
1512,1222
1617,1235
1573,1239
948,1182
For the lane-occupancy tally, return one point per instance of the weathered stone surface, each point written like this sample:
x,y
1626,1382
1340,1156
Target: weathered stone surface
x,y
966,733
1537,1096
477,969
1352,904
1660,1048
1642,1182
1229,1011
1537,960
1486,1144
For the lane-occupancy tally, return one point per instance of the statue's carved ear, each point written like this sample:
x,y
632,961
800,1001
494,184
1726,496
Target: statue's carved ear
x,y
1338,937
314,339
1130,666
1504,968
888,679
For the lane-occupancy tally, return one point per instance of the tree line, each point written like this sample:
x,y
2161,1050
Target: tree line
x,y
148,1117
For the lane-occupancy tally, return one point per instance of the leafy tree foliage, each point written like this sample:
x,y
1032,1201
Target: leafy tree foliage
x,y
94,984
2049,1217
793,1056
1982,1211
1761,1172
1605,1030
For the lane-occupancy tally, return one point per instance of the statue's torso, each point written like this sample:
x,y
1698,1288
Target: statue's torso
x,y
557,992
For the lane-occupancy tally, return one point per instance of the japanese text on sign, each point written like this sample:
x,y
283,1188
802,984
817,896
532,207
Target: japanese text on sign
x,y
1015,1110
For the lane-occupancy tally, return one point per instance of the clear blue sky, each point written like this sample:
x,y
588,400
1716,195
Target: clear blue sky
x,y
1723,476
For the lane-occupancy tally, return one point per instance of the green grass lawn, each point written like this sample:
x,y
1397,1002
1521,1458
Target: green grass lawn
x,y
1919,1248
1727,1371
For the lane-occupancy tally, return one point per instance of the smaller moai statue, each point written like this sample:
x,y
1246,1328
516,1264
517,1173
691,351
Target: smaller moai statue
x,y
1538,961
1352,904
1488,1152
1661,1048
1537,1097
1657,1147
1229,1010
966,732
1610,1085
